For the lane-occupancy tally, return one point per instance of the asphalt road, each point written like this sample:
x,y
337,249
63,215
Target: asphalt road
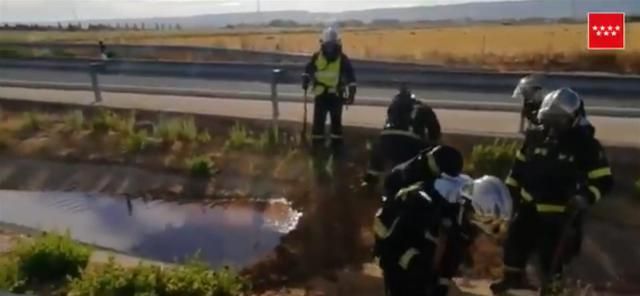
x,y
190,83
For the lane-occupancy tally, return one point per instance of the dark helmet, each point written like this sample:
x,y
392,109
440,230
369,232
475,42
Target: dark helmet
x,y
531,90
444,159
560,109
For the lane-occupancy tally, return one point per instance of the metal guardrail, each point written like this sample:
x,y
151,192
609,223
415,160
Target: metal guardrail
x,y
610,85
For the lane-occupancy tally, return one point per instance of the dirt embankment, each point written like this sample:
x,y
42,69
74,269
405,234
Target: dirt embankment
x,y
331,248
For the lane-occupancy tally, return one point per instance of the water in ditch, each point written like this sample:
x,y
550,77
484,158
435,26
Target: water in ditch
x,y
231,233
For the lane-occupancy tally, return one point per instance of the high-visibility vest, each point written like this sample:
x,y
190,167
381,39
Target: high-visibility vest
x,y
327,76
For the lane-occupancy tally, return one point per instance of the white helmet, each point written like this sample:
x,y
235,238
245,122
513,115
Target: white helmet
x,y
449,187
489,197
330,35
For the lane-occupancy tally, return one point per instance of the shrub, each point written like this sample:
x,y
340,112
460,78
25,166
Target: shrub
x,y
193,279
204,137
187,131
167,130
32,121
74,120
105,121
112,279
136,142
13,53
200,166
9,276
495,159
50,258
239,138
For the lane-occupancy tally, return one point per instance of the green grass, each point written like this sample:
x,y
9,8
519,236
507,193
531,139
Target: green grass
x,y
47,259
74,121
136,142
494,159
179,129
104,121
200,166
239,138
192,279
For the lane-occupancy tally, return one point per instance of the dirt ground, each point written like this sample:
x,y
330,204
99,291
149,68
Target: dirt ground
x,y
330,251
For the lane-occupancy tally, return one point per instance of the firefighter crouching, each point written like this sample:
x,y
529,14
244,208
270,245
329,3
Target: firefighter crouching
x,y
422,237
329,73
411,127
560,171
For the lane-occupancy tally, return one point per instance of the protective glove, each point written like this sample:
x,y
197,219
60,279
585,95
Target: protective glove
x,y
578,203
352,95
305,81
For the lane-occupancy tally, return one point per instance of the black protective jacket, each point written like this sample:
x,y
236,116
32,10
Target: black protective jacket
x,y
412,226
549,169
412,116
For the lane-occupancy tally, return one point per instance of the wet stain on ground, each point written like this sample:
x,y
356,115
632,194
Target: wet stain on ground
x,y
230,233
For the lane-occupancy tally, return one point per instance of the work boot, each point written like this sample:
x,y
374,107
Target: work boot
x,y
511,280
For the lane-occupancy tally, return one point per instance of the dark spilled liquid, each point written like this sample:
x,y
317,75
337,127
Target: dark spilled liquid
x,y
232,233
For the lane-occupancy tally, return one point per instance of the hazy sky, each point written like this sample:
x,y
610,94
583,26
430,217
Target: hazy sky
x,y
51,10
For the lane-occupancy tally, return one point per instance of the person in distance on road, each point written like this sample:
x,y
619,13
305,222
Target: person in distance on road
x,y
329,73
411,126
560,170
424,232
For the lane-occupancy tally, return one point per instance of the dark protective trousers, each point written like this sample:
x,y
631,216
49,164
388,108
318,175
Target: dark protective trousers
x,y
413,282
393,150
327,104
541,233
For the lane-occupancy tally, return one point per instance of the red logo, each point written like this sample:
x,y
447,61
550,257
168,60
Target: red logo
x,y
606,30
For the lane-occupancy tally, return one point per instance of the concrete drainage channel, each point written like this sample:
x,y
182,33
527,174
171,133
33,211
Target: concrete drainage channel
x,y
235,233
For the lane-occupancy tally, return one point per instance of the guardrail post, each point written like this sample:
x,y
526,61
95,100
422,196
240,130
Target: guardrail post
x,y
94,68
276,74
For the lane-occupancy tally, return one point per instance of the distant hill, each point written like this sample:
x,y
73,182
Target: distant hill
x,y
481,11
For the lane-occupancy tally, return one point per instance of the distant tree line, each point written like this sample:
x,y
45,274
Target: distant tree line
x,y
71,27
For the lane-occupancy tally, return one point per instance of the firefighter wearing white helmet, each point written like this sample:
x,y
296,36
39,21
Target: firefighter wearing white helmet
x,y
330,74
558,172
425,231
530,90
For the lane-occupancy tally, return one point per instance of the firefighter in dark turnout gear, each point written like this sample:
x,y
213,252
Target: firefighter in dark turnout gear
x,y
559,171
530,90
429,165
411,127
330,74
422,238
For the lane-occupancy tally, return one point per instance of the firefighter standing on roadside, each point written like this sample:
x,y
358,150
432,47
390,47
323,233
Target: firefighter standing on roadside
x,y
411,126
329,74
558,173
422,236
